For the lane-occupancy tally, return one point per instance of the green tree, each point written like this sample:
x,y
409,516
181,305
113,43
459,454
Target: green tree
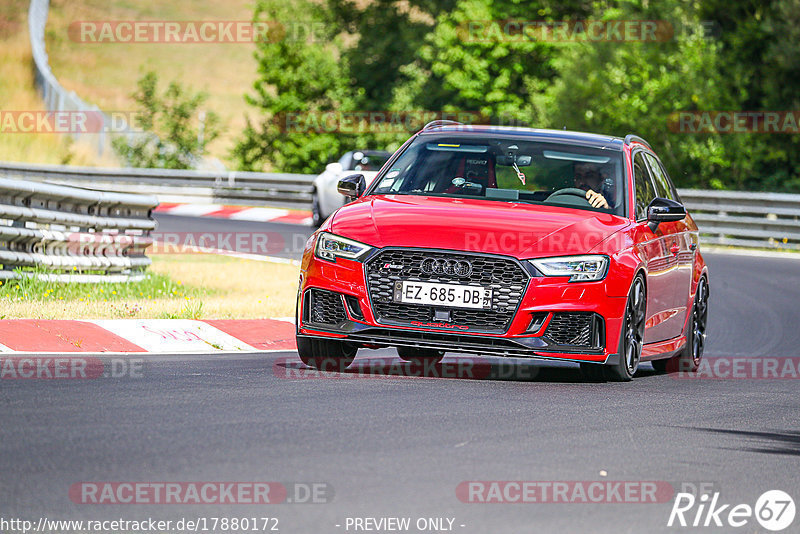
x,y
759,69
452,56
172,131
300,77
468,62
748,63
637,86
330,57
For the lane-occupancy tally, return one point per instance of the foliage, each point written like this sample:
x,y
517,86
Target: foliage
x,y
171,122
423,55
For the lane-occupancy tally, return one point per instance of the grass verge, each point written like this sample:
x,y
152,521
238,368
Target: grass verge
x,y
196,286
18,93
106,73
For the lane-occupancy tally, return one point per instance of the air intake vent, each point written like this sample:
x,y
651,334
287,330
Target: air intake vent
x,y
537,320
582,329
354,307
325,307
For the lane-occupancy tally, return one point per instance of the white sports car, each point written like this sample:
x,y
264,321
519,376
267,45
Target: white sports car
x,y
326,198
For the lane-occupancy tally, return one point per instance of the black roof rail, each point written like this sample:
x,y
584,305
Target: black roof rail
x,y
631,138
439,123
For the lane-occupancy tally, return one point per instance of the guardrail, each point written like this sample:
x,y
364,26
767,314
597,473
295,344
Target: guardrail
x,y
56,98
762,220
204,187
73,234
740,219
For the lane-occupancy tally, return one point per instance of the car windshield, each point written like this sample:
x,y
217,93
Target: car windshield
x,y
507,169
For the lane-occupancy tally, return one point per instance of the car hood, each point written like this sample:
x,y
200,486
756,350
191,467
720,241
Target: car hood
x,y
475,225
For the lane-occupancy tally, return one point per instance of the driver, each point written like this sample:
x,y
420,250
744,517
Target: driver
x,y
590,178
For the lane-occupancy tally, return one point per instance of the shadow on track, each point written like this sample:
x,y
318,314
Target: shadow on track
x,y
462,368
783,442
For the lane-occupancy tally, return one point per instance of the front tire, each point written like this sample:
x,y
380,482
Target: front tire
x,y
632,335
326,354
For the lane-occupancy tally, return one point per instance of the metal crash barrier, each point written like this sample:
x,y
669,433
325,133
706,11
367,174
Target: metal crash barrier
x,y
71,234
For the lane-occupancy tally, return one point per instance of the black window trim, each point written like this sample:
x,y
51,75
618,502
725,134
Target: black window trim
x,y
410,141
670,188
669,180
634,152
388,165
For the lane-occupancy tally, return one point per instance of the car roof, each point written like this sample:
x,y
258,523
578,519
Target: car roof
x,y
534,134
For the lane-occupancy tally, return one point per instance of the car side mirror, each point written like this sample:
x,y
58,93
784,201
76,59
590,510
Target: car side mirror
x,y
352,186
664,210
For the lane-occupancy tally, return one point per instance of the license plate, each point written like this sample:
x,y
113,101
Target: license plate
x,y
435,294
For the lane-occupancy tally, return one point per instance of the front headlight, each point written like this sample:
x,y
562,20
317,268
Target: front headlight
x,y
330,246
578,268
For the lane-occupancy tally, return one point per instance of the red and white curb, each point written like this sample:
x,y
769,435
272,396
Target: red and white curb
x,y
241,213
146,336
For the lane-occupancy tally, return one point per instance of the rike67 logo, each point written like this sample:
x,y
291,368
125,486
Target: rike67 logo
x,y
774,510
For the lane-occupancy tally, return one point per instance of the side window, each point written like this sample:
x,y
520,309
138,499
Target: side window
x,y
644,187
672,187
660,179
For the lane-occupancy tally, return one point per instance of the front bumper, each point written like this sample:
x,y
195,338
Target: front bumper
x,y
334,302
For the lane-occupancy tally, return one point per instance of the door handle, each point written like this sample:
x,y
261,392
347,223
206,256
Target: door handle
x,y
675,249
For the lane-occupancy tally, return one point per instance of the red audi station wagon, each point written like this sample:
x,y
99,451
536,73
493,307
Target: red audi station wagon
x,y
509,242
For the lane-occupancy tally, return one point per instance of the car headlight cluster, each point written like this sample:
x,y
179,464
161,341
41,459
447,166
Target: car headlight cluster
x,y
331,246
578,268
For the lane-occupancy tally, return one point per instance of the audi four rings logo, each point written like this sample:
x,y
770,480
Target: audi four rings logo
x,y
451,267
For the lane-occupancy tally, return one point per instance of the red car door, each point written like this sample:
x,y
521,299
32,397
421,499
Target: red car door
x,y
658,251
679,242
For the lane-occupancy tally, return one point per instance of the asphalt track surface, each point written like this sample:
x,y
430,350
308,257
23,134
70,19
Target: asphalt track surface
x,y
399,446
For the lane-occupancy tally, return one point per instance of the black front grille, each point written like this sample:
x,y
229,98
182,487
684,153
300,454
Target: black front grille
x,y
325,307
504,276
575,328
